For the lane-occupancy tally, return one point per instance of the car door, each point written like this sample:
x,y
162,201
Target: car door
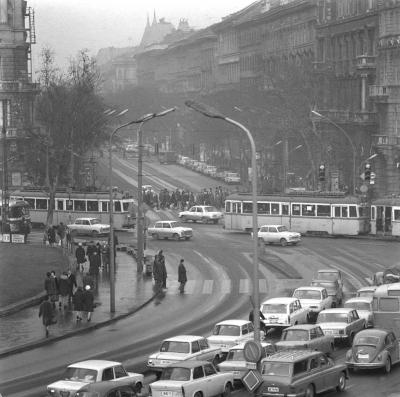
x,y
316,379
166,230
214,386
323,341
108,374
199,382
86,227
195,348
199,213
120,372
327,374
78,226
357,322
327,300
206,353
273,236
392,346
313,343
192,214
158,229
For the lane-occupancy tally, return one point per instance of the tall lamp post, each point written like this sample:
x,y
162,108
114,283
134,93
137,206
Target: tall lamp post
x,y
4,195
353,148
207,111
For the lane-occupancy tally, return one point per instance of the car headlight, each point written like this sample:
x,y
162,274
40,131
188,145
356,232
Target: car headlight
x,y
349,355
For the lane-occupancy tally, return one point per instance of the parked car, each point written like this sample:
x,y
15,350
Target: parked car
x,y
333,288
82,373
343,323
91,226
374,348
330,274
107,389
211,170
366,291
229,333
270,234
306,336
181,348
300,373
282,312
363,307
313,298
170,230
203,213
232,177
236,363
192,378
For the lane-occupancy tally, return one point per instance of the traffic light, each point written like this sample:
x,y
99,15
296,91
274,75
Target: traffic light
x,y
321,173
156,149
367,172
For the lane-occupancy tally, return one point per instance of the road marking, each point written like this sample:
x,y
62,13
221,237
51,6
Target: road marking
x,y
208,286
226,286
190,286
244,286
262,285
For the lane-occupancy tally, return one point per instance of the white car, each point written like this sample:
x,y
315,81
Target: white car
x,y
232,177
313,298
211,170
82,373
282,312
192,378
363,305
331,275
92,226
203,213
236,363
270,234
170,229
366,291
229,333
181,348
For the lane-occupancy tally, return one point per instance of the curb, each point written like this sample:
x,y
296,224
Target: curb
x,y
23,304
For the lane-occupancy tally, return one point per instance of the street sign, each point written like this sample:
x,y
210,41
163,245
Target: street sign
x,y
252,380
252,351
363,188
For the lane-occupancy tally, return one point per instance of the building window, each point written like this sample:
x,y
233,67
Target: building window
x,y
3,11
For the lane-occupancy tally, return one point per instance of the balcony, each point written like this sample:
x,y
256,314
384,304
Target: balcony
x,y
384,93
385,140
18,86
348,117
322,67
366,62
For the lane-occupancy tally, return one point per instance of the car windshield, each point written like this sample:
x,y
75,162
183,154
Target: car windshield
x,y
175,347
328,275
358,305
176,373
366,340
235,355
365,294
80,374
332,318
295,335
274,308
227,330
282,229
275,368
210,209
95,221
175,224
307,294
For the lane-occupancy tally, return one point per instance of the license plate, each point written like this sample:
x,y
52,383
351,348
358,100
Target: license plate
x,y
166,393
236,373
363,356
273,389
328,332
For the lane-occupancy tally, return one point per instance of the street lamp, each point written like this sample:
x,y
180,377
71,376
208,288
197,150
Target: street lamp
x,y
315,113
209,112
4,193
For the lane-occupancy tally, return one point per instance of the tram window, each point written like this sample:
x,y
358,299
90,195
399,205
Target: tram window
x,y
275,208
92,205
337,212
117,206
373,216
389,305
263,208
31,202
60,205
393,292
345,212
247,208
285,209
296,209
69,205
104,206
353,211
323,210
41,204
228,207
125,206
236,208
79,205
396,215
308,210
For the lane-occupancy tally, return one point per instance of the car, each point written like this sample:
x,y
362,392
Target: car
x,y
306,336
192,378
313,298
232,177
170,230
374,348
181,348
363,305
300,373
270,234
341,322
236,363
366,291
229,333
92,226
333,288
210,170
330,274
107,389
84,372
282,312
203,213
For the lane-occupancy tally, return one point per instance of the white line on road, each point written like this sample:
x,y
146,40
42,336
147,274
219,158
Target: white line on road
x,y
208,286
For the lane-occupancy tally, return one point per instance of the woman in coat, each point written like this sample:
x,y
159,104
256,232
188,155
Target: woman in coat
x,y
77,300
46,312
63,289
182,278
88,302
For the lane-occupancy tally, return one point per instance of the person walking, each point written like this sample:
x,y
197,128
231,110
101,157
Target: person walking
x,y
51,236
161,259
80,257
64,290
71,285
157,274
94,268
182,278
50,286
88,302
77,301
61,232
46,312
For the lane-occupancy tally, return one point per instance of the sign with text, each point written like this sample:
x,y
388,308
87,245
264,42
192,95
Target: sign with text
x,y
18,238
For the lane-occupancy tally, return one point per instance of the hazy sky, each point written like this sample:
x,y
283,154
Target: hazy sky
x,y
68,26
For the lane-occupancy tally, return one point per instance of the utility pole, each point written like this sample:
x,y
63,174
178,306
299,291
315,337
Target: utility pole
x,y
4,196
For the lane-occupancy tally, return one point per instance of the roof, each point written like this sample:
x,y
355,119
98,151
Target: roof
x,y
303,326
291,355
283,299
184,338
366,299
373,332
321,280
337,310
95,364
328,271
271,225
233,322
310,287
188,363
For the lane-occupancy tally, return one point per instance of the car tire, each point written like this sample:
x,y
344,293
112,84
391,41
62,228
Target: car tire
x,y
215,221
310,392
341,383
204,220
283,242
198,394
227,390
261,241
155,236
216,360
350,339
388,365
176,237
138,387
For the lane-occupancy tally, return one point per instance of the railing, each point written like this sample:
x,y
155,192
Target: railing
x,y
18,86
385,140
379,91
346,116
366,62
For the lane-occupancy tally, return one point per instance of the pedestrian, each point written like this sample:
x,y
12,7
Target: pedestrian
x,y
77,300
161,259
157,274
80,257
56,296
68,238
71,284
46,312
64,290
90,249
182,278
61,232
50,287
262,317
51,236
88,302
105,256
94,267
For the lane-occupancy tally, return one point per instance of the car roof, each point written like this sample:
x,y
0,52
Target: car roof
x,y
291,355
189,363
283,299
95,364
240,346
367,288
321,280
366,299
184,338
169,221
374,332
87,217
303,326
233,322
106,386
271,225
328,271
337,310
310,287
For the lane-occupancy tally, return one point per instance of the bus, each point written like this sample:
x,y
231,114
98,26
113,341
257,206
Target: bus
x,y
69,206
18,217
386,307
316,213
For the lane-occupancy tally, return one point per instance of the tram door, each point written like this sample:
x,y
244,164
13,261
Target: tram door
x,y
383,219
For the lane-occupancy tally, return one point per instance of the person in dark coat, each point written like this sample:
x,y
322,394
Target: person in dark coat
x,y
157,274
63,289
182,278
161,259
46,312
88,302
80,256
90,249
72,284
77,300
51,287
51,236
94,267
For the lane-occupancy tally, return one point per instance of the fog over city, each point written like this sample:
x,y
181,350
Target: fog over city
x,y
69,26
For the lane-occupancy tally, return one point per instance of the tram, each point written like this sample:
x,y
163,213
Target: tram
x,y
385,216
18,217
312,213
69,206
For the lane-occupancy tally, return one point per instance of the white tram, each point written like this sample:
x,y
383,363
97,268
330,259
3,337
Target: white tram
x,y
308,214
385,216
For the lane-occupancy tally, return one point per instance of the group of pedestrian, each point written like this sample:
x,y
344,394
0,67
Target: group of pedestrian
x,y
57,235
60,289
